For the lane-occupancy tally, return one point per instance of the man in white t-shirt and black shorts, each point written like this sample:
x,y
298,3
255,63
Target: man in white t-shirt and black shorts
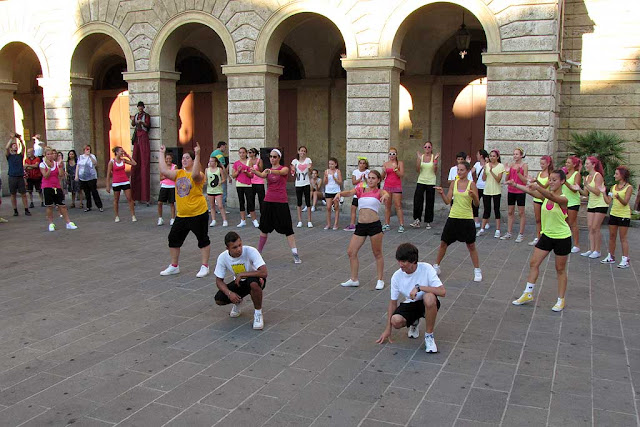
x,y
421,287
249,277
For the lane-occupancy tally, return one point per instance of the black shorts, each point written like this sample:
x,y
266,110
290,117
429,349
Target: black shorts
x,y
306,190
34,183
16,185
560,247
368,229
276,216
602,210
620,222
574,208
330,195
167,195
53,196
123,187
243,289
412,311
459,230
513,198
180,229
354,202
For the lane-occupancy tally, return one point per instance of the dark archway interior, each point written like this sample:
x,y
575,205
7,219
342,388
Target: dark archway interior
x,y
194,68
293,68
471,64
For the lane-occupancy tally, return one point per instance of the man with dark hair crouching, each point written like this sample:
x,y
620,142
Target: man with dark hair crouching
x,y
421,287
249,277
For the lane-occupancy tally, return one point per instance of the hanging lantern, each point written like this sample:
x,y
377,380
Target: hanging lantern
x,y
463,38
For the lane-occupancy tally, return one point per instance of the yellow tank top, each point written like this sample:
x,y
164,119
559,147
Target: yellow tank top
x,y
461,209
189,199
617,208
427,174
595,201
572,196
554,223
542,181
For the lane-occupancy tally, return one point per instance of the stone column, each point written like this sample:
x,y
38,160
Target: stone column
x,y
373,87
81,110
522,105
252,109
157,89
57,113
7,127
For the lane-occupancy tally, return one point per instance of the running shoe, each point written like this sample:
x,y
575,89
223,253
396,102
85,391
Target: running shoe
x,y
559,305
507,236
204,271
478,225
496,235
225,223
52,227
117,219
256,224
428,227
242,223
519,238
608,260
486,227
350,284
436,267
477,275
594,255
324,202
212,223
15,212
160,221
134,219
296,259
304,209
313,208
99,209
31,205
386,227
3,221
350,227
379,285
401,229
235,311
170,270
27,212
258,321
524,298
415,224
575,249
587,253
480,232
430,344
624,263
326,227
413,331
71,226
533,242
309,224
335,227
88,210
299,224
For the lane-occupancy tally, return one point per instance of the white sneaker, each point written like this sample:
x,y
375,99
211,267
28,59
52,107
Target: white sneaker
x,y
256,224
519,238
313,208
160,221
213,223
477,275
258,321
608,260
117,219
594,255
172,221
204,271
299,224
507,236
296,259
71,226
380,285
533,242
430,344
304,209
587,253
52,227
478,225
480,232
324,202
309,224
436,267
414,331
486,227
225,223
624,263
575,249
496,235
428,226
242,224
235,311
350,284
170,270
134,219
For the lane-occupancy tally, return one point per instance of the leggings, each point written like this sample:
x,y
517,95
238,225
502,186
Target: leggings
x,y
90,188
476,209
306,190
246,193
486,201
419,200
258,190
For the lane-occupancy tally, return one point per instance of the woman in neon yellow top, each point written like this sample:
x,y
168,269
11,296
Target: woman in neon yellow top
x,y
427,168
597,207
556,235
492,176
546,166
460,226
571,190
620,215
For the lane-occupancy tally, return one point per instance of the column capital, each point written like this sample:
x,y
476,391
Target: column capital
x,y
521,58
373,63
150,75
81,81
8,86
252,69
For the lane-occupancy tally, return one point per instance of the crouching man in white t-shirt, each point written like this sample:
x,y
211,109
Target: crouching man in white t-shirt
x,y
421,287
249,277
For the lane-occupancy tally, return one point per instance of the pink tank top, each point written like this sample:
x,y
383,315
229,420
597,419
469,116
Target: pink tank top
x,y
513,174
256,179
276,188
392,179
119,174
52,181
242,177
167,183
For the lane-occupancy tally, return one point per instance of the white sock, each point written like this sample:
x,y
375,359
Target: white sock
x,y
294,251
560,301
529,287
257,311
428,335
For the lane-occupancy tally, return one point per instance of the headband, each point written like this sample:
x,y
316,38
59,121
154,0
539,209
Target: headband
x,y
277,151
362,158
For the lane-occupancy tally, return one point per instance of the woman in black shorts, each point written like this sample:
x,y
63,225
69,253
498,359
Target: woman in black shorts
x,y
620,216
369,201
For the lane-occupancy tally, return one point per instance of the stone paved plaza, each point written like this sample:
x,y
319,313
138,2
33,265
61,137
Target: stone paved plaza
x,y
90,334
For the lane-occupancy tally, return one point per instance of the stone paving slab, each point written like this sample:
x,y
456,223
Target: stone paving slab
x,y
91,334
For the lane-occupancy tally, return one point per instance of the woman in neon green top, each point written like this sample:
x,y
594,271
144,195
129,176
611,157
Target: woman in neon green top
x,y
546,167
427,168
492,176
556,235
460,226
620,216
597,207
571,190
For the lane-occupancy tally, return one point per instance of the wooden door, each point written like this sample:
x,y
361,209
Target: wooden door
x,y
463,113
195,122
288,124
116,125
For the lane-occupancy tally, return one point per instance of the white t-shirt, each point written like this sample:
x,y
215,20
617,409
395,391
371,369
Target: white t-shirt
x,y
249,260
303,171
38,147
357,174
403,283
453,172
479,169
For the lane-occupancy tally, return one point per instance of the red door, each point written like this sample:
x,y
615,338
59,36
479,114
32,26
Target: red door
x,y
116,125
195,122
288,123
463,113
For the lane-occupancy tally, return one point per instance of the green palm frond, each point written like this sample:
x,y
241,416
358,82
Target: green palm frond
x,y
606,146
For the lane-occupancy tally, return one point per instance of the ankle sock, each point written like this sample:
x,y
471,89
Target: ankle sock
x,y
428,335
529,287
294,251
256,311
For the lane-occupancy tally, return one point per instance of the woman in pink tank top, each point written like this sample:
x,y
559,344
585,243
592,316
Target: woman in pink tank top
x,y
52,171
276,215
392,173
257,183
517,172
118,180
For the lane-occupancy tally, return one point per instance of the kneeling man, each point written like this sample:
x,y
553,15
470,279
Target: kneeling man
x,y
249,277
421,287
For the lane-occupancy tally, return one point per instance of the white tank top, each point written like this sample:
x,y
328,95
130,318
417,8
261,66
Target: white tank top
x,y
369,200
332,186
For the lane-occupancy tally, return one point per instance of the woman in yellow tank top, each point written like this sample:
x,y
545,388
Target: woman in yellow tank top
x,y
546,167
571,190
597,207
556,235
460,226
620,216
427,168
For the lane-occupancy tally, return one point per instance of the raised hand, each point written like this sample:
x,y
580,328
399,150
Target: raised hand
x,y
436,157
468,159
163,149
196,150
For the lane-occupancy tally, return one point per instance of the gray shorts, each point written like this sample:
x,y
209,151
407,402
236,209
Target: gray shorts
x,y
16,185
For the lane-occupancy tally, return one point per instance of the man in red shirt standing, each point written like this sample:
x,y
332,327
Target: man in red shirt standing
x,y
34,176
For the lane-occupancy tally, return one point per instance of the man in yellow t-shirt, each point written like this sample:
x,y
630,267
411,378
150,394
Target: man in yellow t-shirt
x,y
192,212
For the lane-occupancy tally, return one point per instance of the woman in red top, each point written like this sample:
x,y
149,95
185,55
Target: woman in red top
x,y
276,214
518,173
118,180
392,173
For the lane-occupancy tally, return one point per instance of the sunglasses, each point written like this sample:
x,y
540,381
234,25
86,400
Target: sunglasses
x,y
273,157
393,154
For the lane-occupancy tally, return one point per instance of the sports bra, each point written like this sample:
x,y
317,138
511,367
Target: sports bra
x,y
369,199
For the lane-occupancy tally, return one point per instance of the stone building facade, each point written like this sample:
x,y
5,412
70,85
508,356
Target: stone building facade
x,y
345,78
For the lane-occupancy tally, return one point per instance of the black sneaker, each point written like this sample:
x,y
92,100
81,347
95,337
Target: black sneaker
x,y
42,204
15,212
27,213
31,205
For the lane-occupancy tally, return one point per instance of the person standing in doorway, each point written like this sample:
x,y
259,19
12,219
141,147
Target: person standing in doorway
x,y
15,157
34,176
301,169
140,173
427,168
